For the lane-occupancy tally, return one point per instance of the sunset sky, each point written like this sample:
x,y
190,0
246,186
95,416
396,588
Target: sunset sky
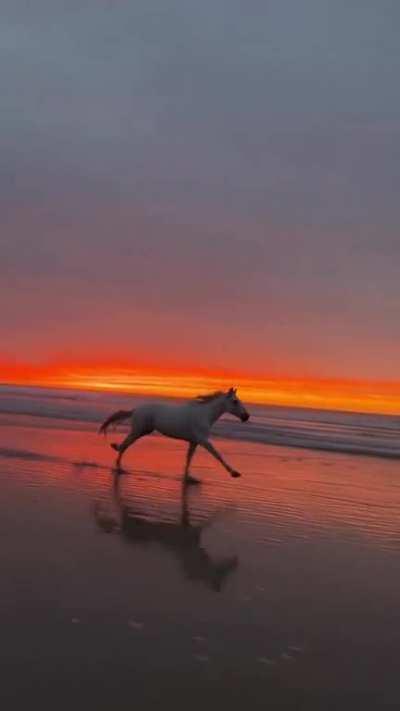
x,y
202,191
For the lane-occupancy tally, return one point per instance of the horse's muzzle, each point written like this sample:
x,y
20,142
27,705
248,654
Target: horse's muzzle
x,y
245,417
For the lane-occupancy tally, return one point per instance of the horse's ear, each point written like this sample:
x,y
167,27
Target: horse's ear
x,y
231,391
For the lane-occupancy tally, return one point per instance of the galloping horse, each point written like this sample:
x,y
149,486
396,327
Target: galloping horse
x,y
191,422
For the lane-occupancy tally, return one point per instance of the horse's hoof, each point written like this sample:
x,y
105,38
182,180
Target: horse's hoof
x,y
235,474
191,480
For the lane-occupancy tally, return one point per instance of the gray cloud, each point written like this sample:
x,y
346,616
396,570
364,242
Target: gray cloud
x,y
208,157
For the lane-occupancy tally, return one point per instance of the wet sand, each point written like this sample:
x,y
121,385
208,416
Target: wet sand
x,y
277,590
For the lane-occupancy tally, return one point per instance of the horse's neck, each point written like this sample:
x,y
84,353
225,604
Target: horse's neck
x,y
215,409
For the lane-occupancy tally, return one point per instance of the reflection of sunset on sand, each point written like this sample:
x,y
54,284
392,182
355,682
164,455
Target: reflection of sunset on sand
x,y
297,491
302,550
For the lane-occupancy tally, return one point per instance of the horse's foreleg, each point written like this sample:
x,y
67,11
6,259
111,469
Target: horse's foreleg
x,y
189,456
210,448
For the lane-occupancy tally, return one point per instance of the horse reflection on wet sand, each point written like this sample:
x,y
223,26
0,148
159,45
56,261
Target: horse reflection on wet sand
x,y
181,537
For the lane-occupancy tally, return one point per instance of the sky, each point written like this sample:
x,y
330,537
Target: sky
x,y
201,188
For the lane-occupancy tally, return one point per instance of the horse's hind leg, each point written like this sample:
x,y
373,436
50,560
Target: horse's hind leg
x,y
187,478
121,448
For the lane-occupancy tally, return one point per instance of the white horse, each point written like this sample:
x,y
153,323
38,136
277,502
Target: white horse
x,y
191,422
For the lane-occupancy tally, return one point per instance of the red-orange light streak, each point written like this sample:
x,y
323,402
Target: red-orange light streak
x,y
350,395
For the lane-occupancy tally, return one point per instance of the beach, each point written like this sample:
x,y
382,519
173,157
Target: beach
x,y
276,590
200,210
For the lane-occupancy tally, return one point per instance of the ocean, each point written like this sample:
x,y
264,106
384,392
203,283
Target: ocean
x,y
347,432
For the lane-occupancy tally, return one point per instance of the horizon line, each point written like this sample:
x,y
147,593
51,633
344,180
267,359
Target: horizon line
x,y
374,397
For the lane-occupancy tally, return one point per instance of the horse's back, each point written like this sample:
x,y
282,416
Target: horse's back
x,y
177,421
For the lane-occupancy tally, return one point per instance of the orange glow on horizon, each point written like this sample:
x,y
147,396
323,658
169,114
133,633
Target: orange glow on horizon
x,y
361,396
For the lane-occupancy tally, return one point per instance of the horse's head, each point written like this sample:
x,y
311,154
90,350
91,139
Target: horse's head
x,y
235,407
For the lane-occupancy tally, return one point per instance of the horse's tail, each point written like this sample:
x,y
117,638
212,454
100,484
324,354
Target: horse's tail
x,y
115,417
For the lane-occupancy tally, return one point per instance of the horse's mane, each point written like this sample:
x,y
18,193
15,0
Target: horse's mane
x,y
203,399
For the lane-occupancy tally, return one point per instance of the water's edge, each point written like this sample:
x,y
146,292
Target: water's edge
x,y
349,433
